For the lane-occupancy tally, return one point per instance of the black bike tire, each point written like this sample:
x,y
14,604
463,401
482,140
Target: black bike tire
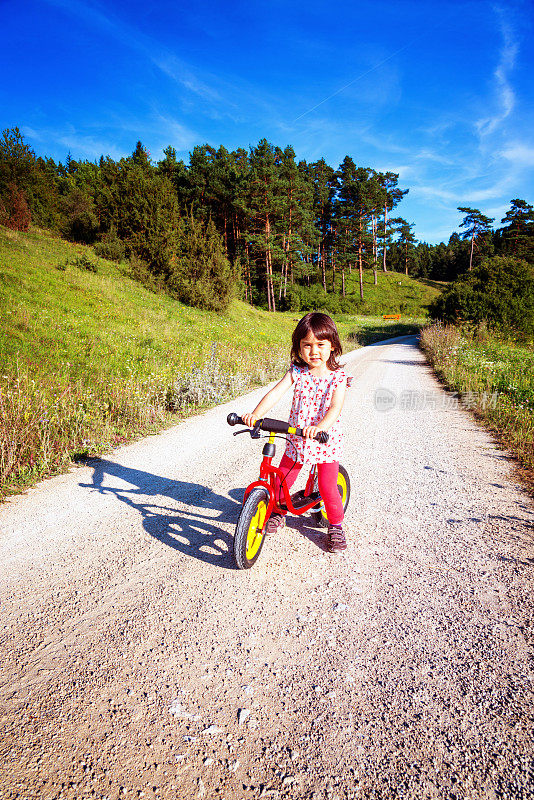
x,y
242,528
318,516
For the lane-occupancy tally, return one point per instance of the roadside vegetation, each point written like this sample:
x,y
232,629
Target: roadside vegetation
x,y
494,378
499,293
90,358
487,356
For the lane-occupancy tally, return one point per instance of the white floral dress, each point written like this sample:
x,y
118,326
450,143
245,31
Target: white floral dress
x,y
312,398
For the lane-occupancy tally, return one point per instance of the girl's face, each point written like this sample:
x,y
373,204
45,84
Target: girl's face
x,y
315,352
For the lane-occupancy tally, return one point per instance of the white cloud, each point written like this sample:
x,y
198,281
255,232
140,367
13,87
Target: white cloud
x,y
430,155
364,74
462,192
439,234
87,146
497,190
180,73
434,192
174,133
81,146
497,212
521,155
383,143
505,92
31,133
131,37
404,171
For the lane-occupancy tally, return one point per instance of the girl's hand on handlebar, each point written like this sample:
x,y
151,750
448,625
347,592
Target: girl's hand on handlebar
x,y
310,432
249,420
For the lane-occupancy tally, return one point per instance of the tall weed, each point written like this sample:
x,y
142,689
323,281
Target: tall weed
x,y
46,420
494,377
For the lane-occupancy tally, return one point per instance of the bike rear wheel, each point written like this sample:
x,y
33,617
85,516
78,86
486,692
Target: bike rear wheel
x,y
343,485
250,529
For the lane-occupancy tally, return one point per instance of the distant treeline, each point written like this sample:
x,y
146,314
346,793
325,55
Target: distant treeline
x,y
281,228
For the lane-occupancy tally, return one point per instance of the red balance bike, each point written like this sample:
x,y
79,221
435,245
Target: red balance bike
x,y
260,501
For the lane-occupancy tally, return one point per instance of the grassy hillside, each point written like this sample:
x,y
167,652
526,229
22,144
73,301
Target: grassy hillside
x,y
91,358
394,293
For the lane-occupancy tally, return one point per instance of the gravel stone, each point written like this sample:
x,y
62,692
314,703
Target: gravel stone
x,y
122,615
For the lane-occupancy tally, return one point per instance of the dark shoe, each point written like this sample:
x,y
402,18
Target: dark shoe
x,y
336,539
274,522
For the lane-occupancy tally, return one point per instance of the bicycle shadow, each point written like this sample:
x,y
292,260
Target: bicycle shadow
x,y
309,529
192,532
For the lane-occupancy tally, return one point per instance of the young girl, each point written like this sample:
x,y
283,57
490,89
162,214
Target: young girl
x,y
318,393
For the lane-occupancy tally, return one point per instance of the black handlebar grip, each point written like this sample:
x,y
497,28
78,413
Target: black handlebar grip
x,y
274,425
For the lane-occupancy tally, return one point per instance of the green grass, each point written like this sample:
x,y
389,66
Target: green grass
x,y
90,359
394,293
495,379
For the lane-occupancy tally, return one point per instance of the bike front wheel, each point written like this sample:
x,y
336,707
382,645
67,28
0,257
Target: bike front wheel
x,y
250,529
343,486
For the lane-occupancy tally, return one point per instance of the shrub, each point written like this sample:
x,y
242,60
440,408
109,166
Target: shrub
x,y
14,210
110,247
82,262
203,385
79,221
199,273
293,299
499,291
147,216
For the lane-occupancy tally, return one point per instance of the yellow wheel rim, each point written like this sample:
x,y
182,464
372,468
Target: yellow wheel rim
x,y
255,531
342,488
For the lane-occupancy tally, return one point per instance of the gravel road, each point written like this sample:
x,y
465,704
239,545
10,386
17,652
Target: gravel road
x,y
138,662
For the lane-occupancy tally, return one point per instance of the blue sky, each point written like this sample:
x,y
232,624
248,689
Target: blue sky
x,y
438,91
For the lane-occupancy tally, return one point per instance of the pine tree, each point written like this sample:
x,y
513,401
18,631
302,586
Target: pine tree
x,y
146,215
241,224
518,233
406,239
140,156
324,187
176,172
376,200
306,240
17,161
296,217
26,190
199,273
200,174
477,228
223,180
356,203
392,196
264,193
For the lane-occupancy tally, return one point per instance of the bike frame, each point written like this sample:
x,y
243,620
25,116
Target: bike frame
x,y
268,474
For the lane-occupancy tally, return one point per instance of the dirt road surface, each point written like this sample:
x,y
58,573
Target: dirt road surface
x,y
137,662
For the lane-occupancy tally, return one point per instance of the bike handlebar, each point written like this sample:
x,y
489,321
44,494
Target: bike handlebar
x,y
276,426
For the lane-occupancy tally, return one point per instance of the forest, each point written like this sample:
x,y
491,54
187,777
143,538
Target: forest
x,y
287,233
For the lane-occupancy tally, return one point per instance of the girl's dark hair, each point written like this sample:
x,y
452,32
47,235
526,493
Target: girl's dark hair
x,y
322,327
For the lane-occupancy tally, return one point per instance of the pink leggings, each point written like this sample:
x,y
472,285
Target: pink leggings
x,y
327,478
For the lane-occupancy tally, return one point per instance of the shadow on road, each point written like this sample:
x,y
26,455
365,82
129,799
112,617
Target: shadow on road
x,y
191,532
374,335
420,363
309,529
